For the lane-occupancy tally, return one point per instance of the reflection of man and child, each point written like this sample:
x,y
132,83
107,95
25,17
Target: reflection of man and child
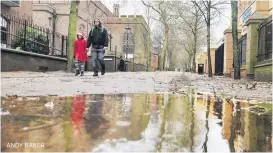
x,y
92,121
78,108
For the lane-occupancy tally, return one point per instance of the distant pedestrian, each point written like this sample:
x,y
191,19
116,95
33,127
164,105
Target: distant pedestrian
x,y
121,66
98,38
80,54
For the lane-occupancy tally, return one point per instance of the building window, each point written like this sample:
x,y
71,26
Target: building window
x,y
242,49
4,30
265,41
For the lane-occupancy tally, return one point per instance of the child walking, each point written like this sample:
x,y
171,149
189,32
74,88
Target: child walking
x,y
80,53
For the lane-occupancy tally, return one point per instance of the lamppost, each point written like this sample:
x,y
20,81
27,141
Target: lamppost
x,y
127,30
111,37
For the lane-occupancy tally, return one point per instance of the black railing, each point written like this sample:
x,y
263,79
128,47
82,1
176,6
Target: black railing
x,y
219,60
265,40
266,56
22,34
242,49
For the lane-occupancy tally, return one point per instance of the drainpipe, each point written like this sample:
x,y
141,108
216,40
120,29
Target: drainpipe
x,y
53,30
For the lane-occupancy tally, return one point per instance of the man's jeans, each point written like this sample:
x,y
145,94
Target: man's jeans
x,y
97,57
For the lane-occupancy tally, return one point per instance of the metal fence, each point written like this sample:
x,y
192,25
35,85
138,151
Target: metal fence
x,y
265,40
22,34
219,60
242,49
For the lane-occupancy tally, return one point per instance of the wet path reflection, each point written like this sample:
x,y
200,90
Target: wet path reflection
x,y
132,122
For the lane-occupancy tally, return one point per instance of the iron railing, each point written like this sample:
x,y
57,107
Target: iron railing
x,y
242,49
265,40
23,34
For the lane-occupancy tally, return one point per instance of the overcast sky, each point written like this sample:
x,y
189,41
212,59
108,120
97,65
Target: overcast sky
x,y
135,7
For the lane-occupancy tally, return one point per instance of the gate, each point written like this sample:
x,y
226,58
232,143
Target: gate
x,y
219,60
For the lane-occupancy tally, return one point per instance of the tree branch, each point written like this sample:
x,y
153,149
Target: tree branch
x,y
151,7
201,11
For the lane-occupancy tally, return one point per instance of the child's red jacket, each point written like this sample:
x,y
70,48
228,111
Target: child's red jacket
x,y
80,52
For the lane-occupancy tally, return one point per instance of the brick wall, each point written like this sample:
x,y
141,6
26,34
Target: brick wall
x,y
228,51
263,71
42,15
25,9
212,55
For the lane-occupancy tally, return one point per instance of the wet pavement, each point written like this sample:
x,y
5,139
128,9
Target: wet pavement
x,y
133,122
67,84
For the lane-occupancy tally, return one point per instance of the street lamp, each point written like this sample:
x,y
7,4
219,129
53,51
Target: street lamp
x,y
128,30
111,37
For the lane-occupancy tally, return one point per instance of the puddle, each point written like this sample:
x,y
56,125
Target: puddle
x,y
133,122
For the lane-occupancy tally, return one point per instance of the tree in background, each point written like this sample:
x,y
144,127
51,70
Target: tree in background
x,y
73,16
190,22
210,10
163,9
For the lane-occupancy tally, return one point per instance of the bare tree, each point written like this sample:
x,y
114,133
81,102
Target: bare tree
x,y
162,8
157,43
189,14
147,40
236,53
210,10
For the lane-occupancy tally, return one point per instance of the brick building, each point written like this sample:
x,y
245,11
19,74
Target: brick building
x,y
201,61
13,9
47,12
137,37
18,8
255,20
54,15
255,41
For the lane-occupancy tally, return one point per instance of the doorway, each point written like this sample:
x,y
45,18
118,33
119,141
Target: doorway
x,y
200,68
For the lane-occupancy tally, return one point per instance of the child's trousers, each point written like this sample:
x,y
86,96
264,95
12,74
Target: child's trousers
x,y
79,65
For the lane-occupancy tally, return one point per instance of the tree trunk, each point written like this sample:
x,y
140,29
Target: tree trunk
x,y
72,33
236,53
167,63
149,42
190,62
208,39
165,46
195,41
159,62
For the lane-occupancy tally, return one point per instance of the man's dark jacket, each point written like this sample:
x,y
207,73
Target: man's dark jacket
x,y
98,38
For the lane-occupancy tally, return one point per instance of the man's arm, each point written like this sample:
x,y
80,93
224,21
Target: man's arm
x,y
106,38
89,40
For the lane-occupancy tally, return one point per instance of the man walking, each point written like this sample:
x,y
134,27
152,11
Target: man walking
x,y
98,38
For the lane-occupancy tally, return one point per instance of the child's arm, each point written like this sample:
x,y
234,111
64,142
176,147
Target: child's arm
x,y
85,46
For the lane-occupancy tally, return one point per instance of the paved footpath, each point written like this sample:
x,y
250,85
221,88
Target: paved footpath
x,y
66,84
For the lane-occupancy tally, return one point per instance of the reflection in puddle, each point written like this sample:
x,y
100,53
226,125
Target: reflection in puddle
x,y
133,122
122,123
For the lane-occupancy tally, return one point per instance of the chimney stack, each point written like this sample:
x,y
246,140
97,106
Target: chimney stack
x,y
116,10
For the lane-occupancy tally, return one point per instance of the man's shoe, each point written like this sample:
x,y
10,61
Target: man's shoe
x,y
81,73
77,72
102,71
95,74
